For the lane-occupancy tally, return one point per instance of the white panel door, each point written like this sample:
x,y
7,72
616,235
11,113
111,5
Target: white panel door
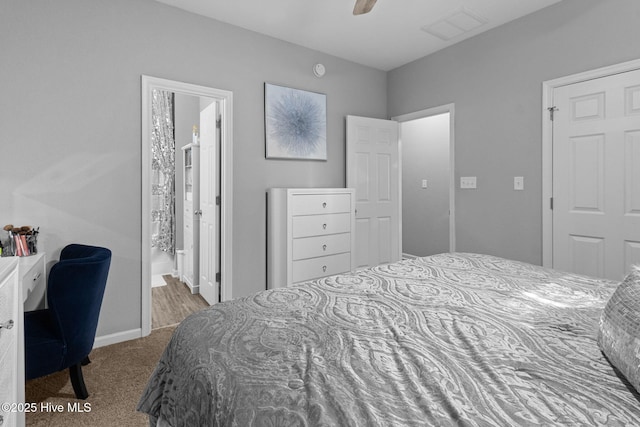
x,y
373,169
208,191
596,176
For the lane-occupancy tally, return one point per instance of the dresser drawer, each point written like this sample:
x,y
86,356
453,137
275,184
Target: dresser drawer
x,y
318,225
313,268
313,204
8,379
309,247
33,282
7,313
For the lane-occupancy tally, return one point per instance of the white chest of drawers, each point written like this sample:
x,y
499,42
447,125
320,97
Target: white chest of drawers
x,y
310,234
11,344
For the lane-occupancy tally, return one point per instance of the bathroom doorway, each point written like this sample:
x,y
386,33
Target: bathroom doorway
x,y
187,101
176,167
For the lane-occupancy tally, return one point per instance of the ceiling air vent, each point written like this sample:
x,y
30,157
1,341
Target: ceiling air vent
x,y
459,22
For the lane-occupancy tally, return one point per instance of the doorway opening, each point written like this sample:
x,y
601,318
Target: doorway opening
x,y
190,100
428,183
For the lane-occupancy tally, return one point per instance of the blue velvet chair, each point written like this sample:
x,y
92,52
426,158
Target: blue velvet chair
x,y
62,335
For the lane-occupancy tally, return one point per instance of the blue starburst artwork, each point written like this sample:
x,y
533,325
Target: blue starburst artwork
x,y
295,123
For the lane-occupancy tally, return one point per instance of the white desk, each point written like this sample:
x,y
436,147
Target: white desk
x,y
33,280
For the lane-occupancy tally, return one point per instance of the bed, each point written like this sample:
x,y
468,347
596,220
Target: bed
x,y
451,339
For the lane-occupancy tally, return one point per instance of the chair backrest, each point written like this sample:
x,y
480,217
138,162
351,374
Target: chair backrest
x,y
75,289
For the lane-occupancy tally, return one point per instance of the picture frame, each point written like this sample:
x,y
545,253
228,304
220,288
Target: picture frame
x,y
295,123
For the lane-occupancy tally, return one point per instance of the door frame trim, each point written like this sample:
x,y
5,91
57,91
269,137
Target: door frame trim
x,y
434,111
226,186
548,88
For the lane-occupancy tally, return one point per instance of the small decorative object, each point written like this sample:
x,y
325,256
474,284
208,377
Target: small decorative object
x,y
8,248
194,135
22,241
32,240
295,123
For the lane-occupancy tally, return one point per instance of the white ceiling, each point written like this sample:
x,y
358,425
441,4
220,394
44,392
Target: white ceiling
x,y
389,36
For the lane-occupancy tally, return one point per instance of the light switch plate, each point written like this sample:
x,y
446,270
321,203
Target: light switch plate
x,y
468,182
424,183
518,183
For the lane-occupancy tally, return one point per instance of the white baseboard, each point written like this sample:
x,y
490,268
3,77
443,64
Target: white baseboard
x,y
408,256
105,340
195,289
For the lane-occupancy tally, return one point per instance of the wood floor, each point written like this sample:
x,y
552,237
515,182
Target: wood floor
x,y
173,302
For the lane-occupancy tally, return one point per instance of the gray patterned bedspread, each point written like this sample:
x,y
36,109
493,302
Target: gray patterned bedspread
x,y
452,339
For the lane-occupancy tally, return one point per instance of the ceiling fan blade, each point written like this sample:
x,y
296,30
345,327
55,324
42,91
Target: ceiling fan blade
x,y
363,6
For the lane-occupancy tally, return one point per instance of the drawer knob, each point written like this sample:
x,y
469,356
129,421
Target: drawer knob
x,y
324,226
324,247
324,204
7,325
324,268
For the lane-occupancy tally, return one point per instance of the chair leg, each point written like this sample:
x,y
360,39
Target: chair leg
x,y
77,381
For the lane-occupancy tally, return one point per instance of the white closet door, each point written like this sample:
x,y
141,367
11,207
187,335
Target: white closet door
x,y
596,176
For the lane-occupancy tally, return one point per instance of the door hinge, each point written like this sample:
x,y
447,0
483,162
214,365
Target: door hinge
x,y
218,277
552,110
219,122
218,200
551,203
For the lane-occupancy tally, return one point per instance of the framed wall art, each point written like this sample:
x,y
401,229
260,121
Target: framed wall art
x,y
295,123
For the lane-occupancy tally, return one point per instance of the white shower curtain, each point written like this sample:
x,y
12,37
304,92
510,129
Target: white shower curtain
x,y
163,172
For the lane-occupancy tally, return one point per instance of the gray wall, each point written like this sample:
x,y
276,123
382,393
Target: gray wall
x,y
70,119
495,81
425,211
70,125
